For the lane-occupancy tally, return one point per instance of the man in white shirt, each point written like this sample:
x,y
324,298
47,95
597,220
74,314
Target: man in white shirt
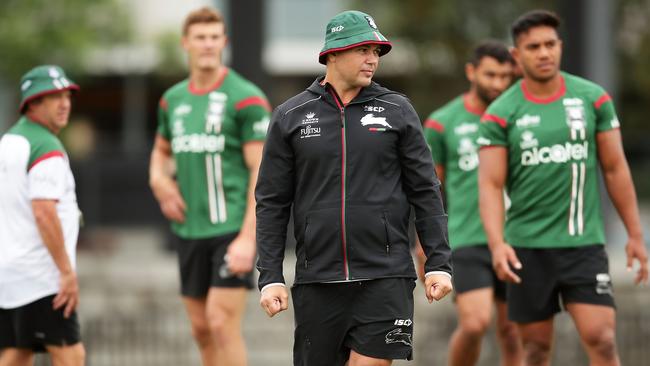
x,y
39,225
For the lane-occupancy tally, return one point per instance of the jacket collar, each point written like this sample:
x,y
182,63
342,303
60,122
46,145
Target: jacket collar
x,y
368,93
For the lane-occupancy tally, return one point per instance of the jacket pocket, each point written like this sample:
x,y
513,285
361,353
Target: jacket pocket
x,y
368,231
387,231
305,236
320,250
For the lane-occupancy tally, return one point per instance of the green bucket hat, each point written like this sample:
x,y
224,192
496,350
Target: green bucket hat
x,y
43,80
351,29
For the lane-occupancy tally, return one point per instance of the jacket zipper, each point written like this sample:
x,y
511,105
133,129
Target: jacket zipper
x,y
346,268
306,242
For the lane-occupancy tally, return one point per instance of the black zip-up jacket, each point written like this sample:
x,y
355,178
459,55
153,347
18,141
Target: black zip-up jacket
x,y
351,173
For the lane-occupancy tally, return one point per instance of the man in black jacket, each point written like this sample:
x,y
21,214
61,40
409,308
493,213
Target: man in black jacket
x,y
350,156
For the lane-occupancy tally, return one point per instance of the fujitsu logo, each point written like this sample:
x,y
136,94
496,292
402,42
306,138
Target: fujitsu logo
x,y
528,121
309,131
182,110
466,128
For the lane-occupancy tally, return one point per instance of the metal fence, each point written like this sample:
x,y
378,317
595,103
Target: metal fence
x,y
156,332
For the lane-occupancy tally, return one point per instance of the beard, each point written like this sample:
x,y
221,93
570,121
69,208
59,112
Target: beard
x,y
484,94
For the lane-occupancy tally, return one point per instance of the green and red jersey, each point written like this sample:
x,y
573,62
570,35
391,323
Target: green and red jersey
x,y
451,133
207,130
552,161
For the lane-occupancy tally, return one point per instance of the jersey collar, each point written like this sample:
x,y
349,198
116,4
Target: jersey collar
x,y
469,108
222,75
530,97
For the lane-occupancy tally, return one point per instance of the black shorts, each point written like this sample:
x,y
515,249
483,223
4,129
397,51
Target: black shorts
x,y
36,325
551,276
473,270
373,318
202,266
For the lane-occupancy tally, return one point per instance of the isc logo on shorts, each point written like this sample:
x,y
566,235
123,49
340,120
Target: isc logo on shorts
x,y
404,322
603,284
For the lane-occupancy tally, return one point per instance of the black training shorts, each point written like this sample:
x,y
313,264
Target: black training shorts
x,y
202,266
36,325
373,318
473,270
553,276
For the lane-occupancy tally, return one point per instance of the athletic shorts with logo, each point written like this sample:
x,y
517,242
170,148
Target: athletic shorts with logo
x,y
473,270
374,318
559,275
36,325
202,265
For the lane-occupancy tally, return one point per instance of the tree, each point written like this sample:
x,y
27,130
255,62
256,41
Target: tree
x,y
36,32
443,33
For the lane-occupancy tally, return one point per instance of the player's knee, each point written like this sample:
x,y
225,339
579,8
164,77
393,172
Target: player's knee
x,y
509,336
74,355
219,327
475,326
537,353
201,333
14,356
603,342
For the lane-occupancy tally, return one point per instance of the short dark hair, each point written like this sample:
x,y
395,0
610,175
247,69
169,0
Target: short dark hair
x,y
532,19
491,48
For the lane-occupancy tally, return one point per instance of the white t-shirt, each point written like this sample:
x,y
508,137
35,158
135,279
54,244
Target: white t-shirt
x,y
33,165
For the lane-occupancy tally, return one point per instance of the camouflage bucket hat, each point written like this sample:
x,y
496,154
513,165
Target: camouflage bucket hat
x,y
351,29
43,80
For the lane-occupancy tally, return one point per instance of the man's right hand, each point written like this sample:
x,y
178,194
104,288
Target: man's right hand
x,y
504,260
170,199
274,299
68,296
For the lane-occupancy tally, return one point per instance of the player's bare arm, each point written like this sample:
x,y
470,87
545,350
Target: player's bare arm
x,y
440,172
274,299
49,227
621,190
162,183
492,177
241,252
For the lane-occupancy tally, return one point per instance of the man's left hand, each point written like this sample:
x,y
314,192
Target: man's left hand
x,y
635,249
68,295
437,286
241,254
